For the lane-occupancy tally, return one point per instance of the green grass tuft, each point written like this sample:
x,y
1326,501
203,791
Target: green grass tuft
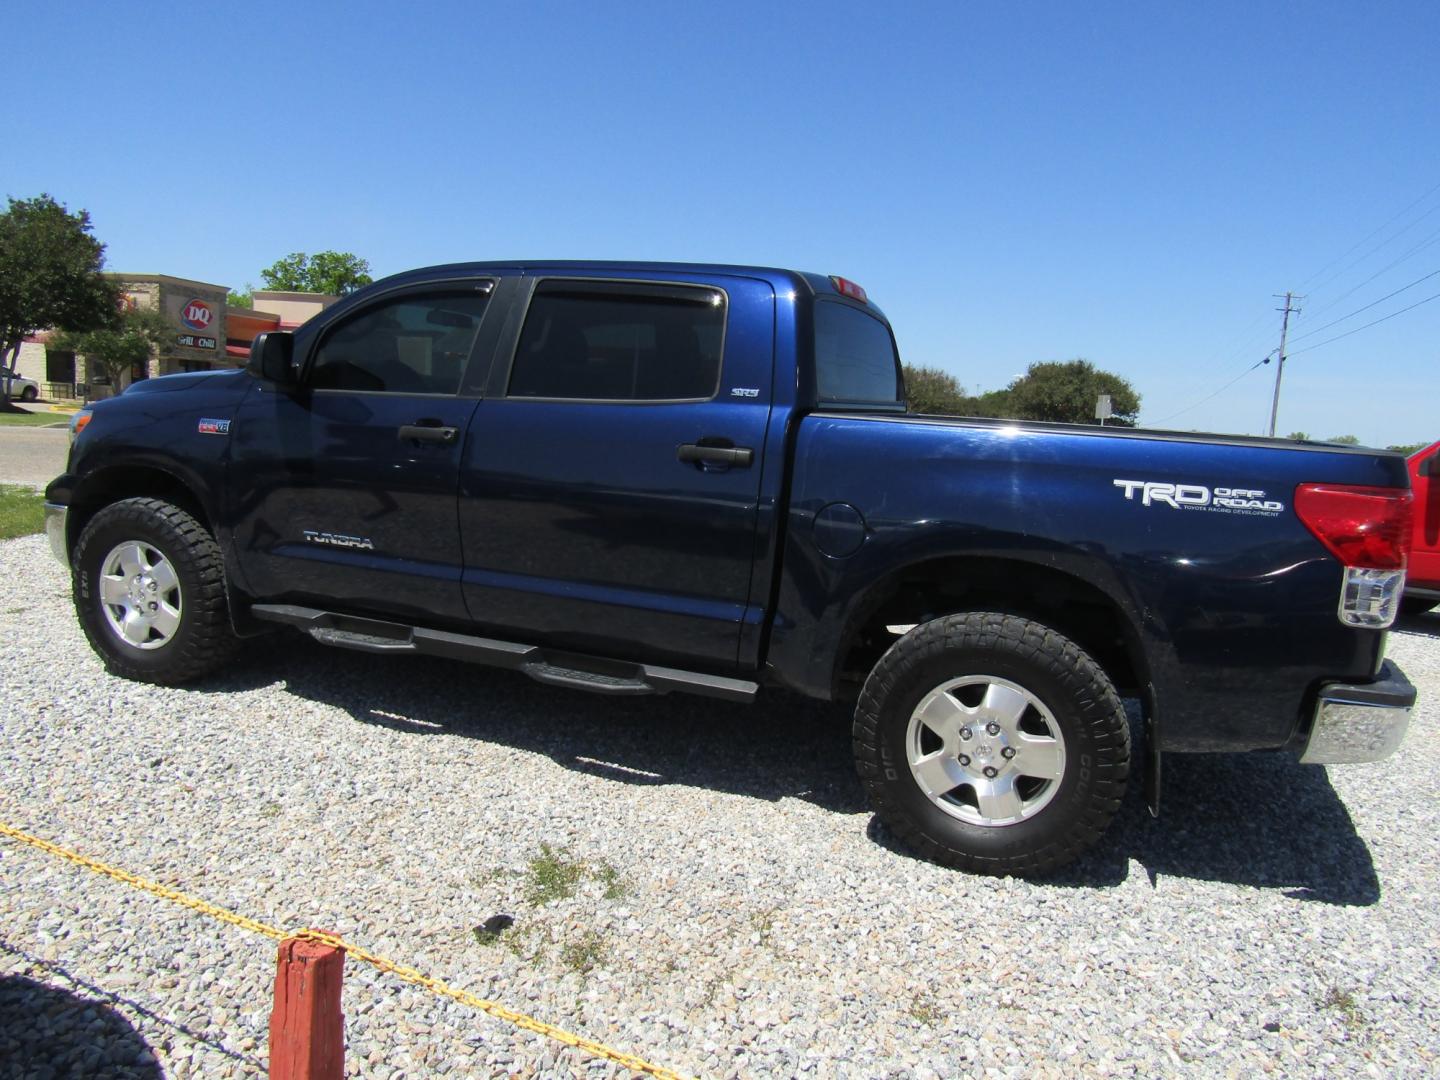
x,y
19,418
22,511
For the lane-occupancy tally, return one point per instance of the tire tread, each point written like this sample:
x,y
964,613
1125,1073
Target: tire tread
x,y
209,641
1100,710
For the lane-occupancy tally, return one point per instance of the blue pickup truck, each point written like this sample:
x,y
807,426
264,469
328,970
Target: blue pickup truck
x,y
644,478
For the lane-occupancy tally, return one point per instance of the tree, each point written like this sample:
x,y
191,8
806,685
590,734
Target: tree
x,y
119,347
1066,393
1407,448
49,275
242,297
931,390
1299,436
333,273
1344,440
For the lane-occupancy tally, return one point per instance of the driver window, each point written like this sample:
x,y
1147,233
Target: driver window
x,y
416,344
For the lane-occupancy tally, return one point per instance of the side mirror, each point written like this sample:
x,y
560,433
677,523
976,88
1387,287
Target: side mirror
x,y
272,357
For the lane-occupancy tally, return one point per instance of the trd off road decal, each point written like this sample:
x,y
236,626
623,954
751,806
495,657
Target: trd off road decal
x,y
1219,500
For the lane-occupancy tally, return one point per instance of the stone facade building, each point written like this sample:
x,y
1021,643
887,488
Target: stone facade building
x,y
207,333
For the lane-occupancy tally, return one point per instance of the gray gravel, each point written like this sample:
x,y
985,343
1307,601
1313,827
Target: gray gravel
x,y
1278,918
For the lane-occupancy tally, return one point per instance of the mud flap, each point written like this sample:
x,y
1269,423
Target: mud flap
x,y
1152,761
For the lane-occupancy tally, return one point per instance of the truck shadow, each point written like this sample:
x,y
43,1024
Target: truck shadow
x,y
1427,624
1262,820
47,1031
1259,819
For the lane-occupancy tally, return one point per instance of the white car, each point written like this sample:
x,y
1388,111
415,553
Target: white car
x,y
17,386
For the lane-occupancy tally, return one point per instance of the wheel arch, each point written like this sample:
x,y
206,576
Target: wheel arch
x,y
1102,625
112,483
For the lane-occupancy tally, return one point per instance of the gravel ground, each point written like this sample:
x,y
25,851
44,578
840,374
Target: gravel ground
x,y
736,911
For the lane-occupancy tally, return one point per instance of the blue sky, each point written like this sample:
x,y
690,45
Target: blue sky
x,y
1127,182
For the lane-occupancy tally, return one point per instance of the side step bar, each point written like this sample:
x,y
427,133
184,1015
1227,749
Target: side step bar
x,y
579,672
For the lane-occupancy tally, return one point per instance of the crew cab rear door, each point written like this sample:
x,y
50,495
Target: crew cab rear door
x,y
344,486
610,483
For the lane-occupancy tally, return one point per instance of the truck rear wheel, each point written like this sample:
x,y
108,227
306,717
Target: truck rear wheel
x,y
992,743
150,592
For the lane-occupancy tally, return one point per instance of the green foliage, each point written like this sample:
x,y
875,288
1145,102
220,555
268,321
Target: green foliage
x,y
22,511
333,273
585,953
1059,392
241,297
1344,440
1407,448
1065,392
552,876
49,273
939,393
555,875
1299,436
931,390
119,347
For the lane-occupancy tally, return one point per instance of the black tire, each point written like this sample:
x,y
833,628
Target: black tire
x,y
29,394
1070,717
1417,605
199,637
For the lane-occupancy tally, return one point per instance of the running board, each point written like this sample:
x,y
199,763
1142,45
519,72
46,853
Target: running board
x,y
579,672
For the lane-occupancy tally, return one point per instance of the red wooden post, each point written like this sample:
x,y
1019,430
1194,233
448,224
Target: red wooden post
x,y
307,1028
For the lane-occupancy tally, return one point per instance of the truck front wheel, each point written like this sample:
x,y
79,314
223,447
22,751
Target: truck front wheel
x,y
992,743
150,592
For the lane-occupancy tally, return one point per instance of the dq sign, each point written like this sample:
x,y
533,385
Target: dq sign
x,y
196,314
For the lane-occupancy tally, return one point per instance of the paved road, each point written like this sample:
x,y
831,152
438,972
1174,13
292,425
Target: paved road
x,y
32,456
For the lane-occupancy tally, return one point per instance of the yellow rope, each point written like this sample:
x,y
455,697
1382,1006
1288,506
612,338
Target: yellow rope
x,y
408,974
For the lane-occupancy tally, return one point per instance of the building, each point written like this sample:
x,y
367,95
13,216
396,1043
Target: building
x,y
208,333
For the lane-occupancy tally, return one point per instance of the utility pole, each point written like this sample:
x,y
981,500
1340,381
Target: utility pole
x,y
1280,367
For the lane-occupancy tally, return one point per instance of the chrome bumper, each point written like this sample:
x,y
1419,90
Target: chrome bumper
x,y
1359,723
55,516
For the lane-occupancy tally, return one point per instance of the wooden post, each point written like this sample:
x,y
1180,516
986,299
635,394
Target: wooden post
x,y
307,1028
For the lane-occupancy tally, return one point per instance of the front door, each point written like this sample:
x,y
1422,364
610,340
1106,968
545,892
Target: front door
x,y
609,489
345,487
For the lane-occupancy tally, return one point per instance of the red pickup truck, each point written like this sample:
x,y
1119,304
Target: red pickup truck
x,y
1422,582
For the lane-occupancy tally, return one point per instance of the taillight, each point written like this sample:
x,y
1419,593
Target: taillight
x,y
846,287
1368,530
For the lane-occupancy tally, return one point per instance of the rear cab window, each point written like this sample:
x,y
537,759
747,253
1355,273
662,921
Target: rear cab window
x,y
620,342
856,362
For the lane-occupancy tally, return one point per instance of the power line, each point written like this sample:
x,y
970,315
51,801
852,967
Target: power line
x,y
1394,218
1367,307
1377,322
1428,242
1216,394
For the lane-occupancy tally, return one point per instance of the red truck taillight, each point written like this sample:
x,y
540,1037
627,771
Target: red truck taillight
x,y
1368,530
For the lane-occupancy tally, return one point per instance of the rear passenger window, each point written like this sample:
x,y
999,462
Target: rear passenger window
x,y
415,344
855,358
606,341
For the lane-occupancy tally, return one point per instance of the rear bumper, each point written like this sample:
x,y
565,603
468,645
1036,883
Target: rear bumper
x,y
55,520
1362,722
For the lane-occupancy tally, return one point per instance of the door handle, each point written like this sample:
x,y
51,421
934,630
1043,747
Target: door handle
x,y
702,453
429,433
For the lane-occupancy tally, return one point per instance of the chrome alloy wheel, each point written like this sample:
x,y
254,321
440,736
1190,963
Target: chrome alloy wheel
x,y
140,595
985,750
